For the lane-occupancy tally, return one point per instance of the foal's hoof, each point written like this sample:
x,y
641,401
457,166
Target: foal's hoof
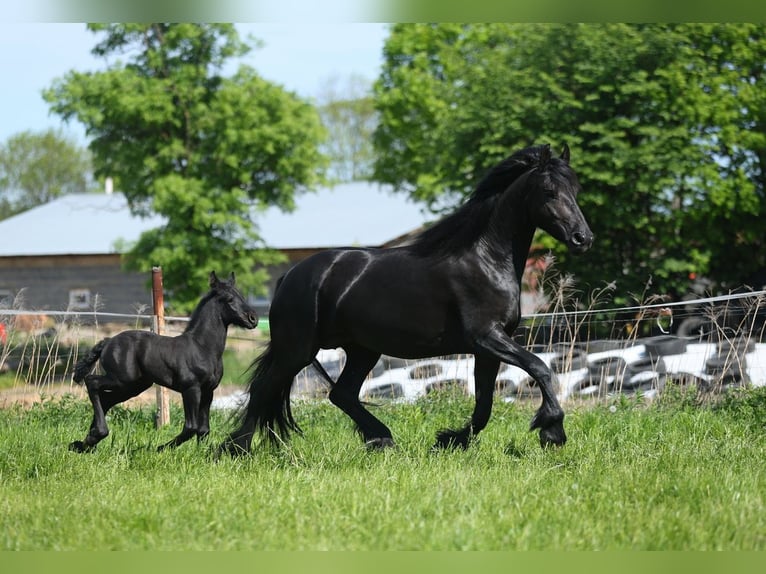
x,y
79,446
380,443
449,439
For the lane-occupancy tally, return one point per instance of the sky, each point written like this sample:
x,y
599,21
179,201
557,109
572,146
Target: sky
x,y
301,56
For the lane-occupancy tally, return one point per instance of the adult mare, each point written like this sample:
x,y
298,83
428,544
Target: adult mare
x,y
455,289
190,363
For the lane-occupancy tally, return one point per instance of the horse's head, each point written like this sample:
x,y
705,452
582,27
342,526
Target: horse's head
x,y
551,200
235,310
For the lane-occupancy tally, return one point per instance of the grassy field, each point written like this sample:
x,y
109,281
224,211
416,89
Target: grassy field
x,y
668,476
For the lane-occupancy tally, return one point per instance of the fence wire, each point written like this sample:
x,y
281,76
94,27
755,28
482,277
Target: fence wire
x,y
45,352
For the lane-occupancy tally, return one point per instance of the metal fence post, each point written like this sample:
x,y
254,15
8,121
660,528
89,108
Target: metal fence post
x,y
158,326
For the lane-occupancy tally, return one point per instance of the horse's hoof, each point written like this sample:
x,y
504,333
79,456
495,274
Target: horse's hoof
x,y
513,450
232,449
552,437
380,443
79,446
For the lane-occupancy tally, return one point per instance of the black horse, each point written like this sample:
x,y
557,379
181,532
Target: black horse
x,y
455,289
190,363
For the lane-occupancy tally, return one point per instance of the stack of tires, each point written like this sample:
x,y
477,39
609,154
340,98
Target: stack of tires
x,y
728,367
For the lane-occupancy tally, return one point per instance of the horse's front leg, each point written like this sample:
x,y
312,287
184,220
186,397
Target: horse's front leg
x,y
485,373
191,401
550,416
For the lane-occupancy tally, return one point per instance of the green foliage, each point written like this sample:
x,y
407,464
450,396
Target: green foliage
x,y
181,140
631,477
38,167
666,125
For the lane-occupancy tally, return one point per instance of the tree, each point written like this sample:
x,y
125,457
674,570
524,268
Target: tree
x,y
665,123
38,167
206,151
348,114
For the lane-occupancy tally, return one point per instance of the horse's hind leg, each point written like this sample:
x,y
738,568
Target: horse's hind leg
x,y
485,372
345,395
274,372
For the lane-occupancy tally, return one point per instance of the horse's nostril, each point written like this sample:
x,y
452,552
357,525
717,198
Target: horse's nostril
x,y
581,240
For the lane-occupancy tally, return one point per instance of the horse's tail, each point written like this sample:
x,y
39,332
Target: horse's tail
x,y
85,365
268,409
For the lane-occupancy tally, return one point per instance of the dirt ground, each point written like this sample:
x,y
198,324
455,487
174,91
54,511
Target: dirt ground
x,y
28,395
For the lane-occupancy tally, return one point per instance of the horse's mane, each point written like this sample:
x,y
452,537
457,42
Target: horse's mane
x,y
461,229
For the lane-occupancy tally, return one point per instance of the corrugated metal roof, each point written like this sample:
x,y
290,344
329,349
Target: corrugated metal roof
x,y
349,214
358,213
76,224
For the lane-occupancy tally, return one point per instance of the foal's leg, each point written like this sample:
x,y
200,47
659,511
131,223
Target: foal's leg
x,y
345,395
485,372
203,419
98,429
104,392
191,400
550,416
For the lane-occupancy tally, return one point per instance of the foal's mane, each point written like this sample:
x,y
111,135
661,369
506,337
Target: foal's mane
x,y
196,315
461,229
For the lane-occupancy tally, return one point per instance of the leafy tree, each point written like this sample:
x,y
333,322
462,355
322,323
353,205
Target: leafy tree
x,y
348,113
665,122
183,141
38,167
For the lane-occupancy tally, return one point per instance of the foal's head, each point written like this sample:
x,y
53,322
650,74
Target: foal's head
x,y
234,309
551,199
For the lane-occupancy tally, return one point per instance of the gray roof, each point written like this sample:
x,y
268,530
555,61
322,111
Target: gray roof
x,y
358,213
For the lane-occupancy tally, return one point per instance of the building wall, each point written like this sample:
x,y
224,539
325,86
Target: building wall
x,y
48,282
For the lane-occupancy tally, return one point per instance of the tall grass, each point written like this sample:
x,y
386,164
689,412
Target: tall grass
x,y
680,473
666,476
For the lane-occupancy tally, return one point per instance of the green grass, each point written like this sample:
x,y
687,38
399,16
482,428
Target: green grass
x,y
7,380
669,476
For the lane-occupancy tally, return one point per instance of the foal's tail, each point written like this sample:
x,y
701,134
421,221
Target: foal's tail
x,y
85,365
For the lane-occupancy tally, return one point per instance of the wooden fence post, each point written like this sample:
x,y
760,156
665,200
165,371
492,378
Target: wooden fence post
x,y
158,326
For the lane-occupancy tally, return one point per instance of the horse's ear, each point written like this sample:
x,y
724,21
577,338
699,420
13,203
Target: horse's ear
x,y
565,153
213,279
545,156
232,279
